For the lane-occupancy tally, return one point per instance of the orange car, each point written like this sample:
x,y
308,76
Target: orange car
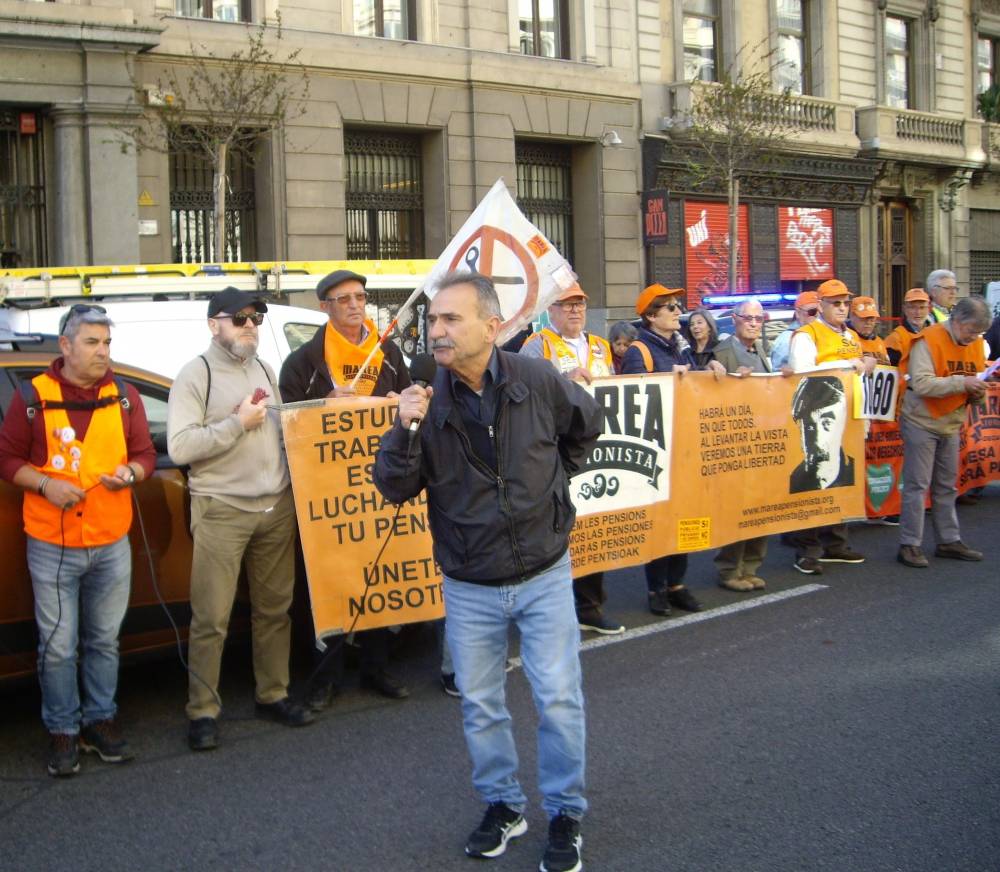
x,y
166,543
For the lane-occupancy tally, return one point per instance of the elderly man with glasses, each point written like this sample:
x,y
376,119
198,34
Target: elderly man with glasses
x,y
580,356
661,348
827,343
945,360
76,439
943,289
222,421
325,366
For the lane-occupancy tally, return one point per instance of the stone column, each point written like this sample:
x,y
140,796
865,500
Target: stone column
x,y
71,230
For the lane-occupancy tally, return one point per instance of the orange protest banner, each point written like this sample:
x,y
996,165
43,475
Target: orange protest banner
x,y
979,442
344,521
761,455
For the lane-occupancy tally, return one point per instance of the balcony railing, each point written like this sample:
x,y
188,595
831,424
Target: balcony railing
x,y
929,128
884,130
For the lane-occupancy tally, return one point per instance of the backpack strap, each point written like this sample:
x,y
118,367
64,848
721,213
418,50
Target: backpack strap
x,y
33,404
208,389
647,357
30,396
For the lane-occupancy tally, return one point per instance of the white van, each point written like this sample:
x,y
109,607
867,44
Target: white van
x,y
162,335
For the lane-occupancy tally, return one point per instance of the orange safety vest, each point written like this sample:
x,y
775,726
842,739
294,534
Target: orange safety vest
x,y
831,345
874,347
103,516
554,346
950,358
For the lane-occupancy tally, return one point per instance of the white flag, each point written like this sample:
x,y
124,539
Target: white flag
x,y
498,241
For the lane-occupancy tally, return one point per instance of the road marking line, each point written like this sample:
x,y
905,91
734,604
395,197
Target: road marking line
x,y
695,618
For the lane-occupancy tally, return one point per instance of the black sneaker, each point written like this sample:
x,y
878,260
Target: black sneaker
x,y
64,755
203,734
384,682
600,624
659,603
286,712
448,684
808,566
320,697
104,739
841,555
683,599
500,824
562,854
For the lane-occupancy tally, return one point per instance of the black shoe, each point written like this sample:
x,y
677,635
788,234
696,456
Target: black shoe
x,y
203,734
104,739
684,600
500,824
659,603
808,566
448,684
320,697
600,624
384,683
284,711
841,555
64,755
562,854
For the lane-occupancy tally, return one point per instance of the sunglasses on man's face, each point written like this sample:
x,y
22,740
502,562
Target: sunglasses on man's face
x,y
670,307
812,313
241,318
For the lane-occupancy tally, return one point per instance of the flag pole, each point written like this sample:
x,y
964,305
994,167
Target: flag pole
x,y
402,312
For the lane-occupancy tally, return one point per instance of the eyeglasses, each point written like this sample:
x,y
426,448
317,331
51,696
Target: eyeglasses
x,y
812,313
79,309
344,299
751,319
839,303
670,307
572,305
241,318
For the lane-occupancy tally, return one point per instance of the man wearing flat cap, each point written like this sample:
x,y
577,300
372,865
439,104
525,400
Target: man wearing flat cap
x,y
325,366
223,423
819,407
580,356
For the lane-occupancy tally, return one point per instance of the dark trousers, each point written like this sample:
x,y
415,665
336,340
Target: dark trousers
x,y
812,542
373,651
589,595
666,571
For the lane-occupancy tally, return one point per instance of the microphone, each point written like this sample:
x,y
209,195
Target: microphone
x,y
423,368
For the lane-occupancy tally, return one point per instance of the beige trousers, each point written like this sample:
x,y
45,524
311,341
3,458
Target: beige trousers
x,y
223,537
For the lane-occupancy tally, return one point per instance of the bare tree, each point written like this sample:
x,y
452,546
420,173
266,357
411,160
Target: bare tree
x,y
221,105
735,127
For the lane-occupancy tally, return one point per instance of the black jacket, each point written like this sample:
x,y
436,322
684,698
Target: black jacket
x,y
503,527
305,375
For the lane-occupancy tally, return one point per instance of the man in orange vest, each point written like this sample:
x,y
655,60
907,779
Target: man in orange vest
x,y
76,439
943,365
916,316
581,356
864,322
827,343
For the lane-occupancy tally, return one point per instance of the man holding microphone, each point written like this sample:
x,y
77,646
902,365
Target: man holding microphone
x,y
500,434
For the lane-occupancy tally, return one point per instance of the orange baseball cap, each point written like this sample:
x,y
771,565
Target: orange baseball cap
x,y
916,295
806,298
651,293
832,288
573,292
864,307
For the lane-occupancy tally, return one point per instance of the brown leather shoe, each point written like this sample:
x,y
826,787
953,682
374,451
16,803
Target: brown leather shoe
x,y
912,555
739,584
757,582
958,551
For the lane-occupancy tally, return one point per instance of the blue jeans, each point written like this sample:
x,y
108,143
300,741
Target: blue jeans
x,y
83,610
478,620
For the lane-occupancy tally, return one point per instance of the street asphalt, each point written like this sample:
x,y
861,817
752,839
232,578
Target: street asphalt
x,y
845,722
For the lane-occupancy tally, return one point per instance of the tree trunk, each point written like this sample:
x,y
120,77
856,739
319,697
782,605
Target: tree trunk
x,y
219,185
734,232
